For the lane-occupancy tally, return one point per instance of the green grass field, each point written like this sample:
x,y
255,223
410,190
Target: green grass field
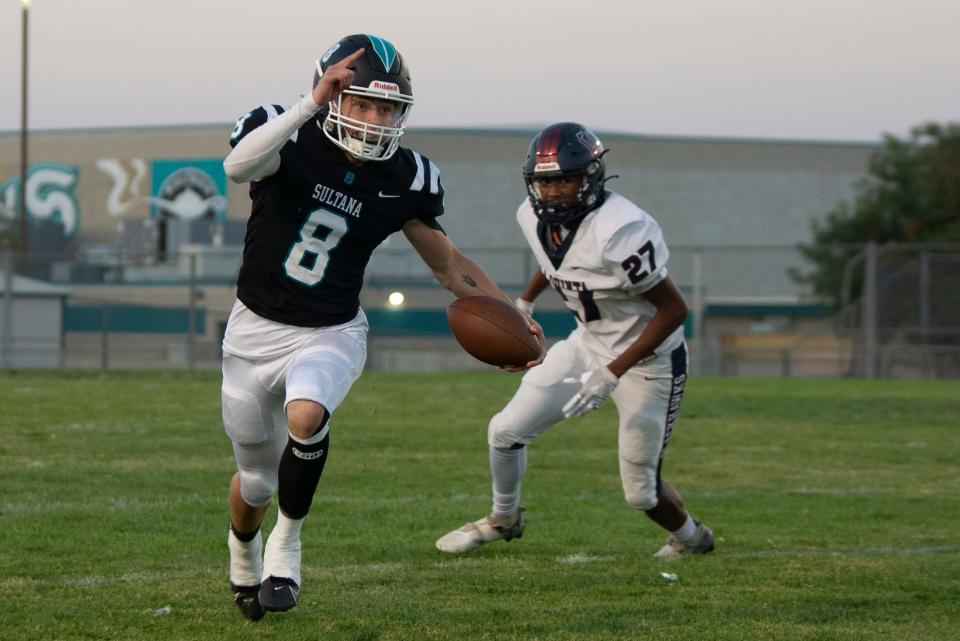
x,y
836,506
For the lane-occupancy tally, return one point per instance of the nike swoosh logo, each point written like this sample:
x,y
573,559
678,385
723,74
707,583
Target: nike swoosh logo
x,y
280,588
383,195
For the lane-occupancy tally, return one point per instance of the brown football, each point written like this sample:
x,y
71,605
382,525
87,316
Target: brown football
x,y
492,330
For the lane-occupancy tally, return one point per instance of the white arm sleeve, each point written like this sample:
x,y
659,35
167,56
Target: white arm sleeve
x,y
257,155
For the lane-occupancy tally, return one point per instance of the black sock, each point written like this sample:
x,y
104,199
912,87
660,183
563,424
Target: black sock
x,y
246,537
300,469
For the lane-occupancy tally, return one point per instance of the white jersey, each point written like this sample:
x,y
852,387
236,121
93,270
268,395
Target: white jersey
x,y
616,253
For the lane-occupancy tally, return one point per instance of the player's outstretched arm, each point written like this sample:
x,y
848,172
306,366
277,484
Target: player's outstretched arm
x,y
456,272
670,314
450,267
596,385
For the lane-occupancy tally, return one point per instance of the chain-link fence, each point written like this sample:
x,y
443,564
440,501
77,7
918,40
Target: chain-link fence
x,y
901,311
110,308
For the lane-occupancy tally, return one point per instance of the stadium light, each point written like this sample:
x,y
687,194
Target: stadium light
x,y
395,299
25,6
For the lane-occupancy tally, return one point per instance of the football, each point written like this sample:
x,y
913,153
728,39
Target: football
x,y
492,330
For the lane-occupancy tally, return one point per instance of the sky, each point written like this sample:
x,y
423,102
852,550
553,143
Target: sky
x,y
800,69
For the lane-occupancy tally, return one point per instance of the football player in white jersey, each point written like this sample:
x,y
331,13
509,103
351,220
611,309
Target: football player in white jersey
x,y
607,259
329,182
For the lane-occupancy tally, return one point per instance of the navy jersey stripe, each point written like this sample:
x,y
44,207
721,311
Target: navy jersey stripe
x,y
678,366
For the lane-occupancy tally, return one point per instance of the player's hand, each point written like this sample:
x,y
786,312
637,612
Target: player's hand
x,y
335,79
595,386
536,330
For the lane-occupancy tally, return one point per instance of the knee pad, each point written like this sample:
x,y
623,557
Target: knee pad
x,y
257,486
499,434
245,419
642,501
640,487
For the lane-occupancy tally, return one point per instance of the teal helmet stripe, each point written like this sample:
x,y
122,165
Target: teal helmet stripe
x,y
384,50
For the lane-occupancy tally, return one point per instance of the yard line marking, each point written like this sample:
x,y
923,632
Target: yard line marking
x,y
868,551
127,577
117,503
111,503
864,490
836,490
17,582
580,558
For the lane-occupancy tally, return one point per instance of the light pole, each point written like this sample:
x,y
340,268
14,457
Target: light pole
x,y
25,10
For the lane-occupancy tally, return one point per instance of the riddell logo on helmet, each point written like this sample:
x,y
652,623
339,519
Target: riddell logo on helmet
x,y
384,86
547,166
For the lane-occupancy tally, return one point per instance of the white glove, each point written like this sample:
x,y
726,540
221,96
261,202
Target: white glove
x,y
524,306
595,386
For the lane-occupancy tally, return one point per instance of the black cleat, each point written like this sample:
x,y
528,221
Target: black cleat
x,y
247,600
278,594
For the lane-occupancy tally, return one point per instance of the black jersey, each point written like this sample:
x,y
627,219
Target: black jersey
x,y
315,223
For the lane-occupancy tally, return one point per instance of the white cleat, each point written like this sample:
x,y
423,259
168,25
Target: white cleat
x,y
486,530
701,543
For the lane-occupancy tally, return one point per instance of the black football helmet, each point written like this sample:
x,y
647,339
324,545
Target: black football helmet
x,y
565,149
379,73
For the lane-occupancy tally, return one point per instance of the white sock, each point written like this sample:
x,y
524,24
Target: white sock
x,y
507,467
282,555
686,531
246,562
287,530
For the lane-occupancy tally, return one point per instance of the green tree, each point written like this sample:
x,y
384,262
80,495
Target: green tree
x,y
911,194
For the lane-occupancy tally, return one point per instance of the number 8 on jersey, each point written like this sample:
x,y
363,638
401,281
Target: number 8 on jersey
x,y
331,228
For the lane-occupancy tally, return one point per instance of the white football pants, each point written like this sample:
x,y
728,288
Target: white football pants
x,y
647,400
321,366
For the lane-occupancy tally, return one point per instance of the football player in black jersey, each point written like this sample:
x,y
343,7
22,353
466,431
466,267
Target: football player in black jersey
x,y
329,183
